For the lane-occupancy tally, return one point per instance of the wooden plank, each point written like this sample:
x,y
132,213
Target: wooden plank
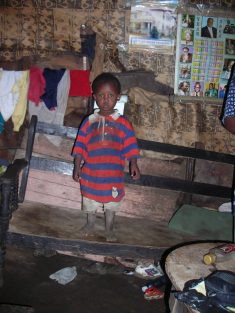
x,y
143,79
51,129
182,185
151,203
145,180
186,152
57,228
81,247
51,188
53,146
141,202
71,132
170,168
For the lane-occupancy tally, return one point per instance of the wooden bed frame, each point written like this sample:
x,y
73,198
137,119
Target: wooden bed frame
x,y
13,194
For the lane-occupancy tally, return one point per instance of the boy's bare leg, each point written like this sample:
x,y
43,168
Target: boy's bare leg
x,y
89,227
109,224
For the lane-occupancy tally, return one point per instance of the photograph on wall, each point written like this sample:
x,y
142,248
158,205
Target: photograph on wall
x,y
205,54
153,26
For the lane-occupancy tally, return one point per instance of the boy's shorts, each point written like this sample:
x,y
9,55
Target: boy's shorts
x,y
91,206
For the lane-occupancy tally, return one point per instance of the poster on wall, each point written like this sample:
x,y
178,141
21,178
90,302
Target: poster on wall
x,y
205,54
153,26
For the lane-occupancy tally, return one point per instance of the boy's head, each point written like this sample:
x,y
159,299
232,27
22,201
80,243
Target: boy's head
x,y
106,90
106,78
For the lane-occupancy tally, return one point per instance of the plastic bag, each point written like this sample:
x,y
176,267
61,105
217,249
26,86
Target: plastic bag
x,y
219,293
65,275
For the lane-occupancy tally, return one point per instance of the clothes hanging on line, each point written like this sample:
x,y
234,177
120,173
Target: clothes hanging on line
x,y
55,116
52,78
13,92
80,83
37,84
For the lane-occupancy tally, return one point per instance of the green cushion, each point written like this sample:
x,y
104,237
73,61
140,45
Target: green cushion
x,y
206,223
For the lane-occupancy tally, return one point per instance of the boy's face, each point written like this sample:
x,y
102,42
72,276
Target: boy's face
x,y
106,98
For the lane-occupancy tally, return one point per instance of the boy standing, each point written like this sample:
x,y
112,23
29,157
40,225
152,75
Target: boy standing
x,y
104,141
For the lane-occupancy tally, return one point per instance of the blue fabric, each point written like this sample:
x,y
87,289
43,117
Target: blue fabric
x,y
2,122
52,78
88,43
229,111
229,108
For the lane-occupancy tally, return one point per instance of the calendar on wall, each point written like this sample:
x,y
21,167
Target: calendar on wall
x,y
205,55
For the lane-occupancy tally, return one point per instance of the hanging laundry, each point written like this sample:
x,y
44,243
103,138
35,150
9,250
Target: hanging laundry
x,y
80,83
37,84
19,113
9,92
52,78
62,98
55,116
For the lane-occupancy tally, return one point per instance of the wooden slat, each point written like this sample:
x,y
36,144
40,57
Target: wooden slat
x,y
50,227
71,132
186,152
52,129
141,202
53,189
145,180
83,246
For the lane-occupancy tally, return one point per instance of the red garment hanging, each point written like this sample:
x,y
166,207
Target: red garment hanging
x,y
80,83
37,84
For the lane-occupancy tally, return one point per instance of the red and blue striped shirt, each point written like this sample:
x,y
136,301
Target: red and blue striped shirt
x,y
104,144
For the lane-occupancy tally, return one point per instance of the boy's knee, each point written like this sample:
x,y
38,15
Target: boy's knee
x,y
112,206
90,206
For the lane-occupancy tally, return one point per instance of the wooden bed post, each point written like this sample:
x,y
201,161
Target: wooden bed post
x,y
5,216
9,191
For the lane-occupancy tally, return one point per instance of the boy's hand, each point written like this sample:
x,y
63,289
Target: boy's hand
x,y
77,168
76,173
134,169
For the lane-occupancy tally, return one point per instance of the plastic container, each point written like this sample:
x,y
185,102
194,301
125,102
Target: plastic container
x,y
222,253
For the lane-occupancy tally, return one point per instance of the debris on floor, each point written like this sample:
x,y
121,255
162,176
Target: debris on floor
x,y
45,295
151,291
65,275
148,271
159,282
12,308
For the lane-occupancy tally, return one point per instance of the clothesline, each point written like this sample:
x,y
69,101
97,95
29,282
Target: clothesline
x,y
44,91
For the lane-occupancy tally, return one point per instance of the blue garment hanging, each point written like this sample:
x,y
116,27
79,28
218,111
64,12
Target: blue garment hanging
x,y
52,78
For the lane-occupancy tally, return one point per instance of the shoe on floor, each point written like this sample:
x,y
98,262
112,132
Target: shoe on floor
x,y
152,293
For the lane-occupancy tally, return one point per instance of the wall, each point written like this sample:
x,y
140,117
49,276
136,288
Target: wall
x,y
43,27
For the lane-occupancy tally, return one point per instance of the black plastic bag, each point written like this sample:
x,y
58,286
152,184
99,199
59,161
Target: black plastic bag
x,y
220,293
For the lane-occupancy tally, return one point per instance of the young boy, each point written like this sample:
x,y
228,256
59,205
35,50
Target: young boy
x,y
104,141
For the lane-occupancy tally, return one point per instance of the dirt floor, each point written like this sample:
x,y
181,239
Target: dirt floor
x,y
98,287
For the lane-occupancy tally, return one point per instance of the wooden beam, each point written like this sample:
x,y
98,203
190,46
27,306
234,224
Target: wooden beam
x,y
186,152
70,132
57,130
169,183
83,246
